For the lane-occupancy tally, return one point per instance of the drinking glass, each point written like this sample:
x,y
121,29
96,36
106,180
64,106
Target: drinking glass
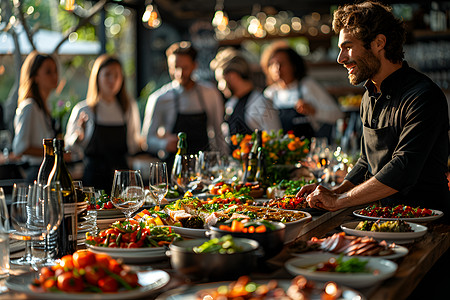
x,y
89,194
209,166
159,182
127,191
184,174
20,213
4,236
46,212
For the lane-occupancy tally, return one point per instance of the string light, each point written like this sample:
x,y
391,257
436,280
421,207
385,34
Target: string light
x,y
220,20
151,17
69,5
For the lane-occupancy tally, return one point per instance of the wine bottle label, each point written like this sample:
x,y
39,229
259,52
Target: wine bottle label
x,y
70,215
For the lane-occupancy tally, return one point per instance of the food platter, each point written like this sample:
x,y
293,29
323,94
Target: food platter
x,y
302,266
398,237
132,255
398,251
150,281
436,215
189,293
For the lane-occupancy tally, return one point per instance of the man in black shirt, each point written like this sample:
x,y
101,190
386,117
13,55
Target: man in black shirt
x,y
405,142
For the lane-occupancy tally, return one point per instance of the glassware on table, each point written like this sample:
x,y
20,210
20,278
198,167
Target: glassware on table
x,y
20,212
90,197
184,174
127,191
46,213
158,182
4,236
209,166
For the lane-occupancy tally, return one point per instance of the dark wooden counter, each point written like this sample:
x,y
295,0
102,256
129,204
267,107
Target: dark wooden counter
x,y
423,254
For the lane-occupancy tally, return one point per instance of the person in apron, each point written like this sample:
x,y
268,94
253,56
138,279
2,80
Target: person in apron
x,y
305,106
405,143
105,153
183,105
246,108
104,129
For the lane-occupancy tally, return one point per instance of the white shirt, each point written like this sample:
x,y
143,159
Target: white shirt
x,y
31,126
327,110
107,114
160,113
259,112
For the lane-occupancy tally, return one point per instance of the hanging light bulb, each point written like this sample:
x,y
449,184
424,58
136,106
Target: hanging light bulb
x,y
256,22
151,17
68,5
220,20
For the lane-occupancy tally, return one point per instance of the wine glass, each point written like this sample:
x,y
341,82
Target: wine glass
x,y
90,197
159,183
209,167
184,174
20,213
127,191
46,212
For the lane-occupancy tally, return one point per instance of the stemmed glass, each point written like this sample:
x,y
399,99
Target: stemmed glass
x,y
127,191
209,166
46,214
184,174
159,182
20,213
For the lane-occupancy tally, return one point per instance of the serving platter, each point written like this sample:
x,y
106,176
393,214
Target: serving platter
x,y
132,255
398,251
150,281
399,237
380,269
190,292
437,215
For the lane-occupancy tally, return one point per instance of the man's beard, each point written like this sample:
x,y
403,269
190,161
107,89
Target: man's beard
x,y
368,65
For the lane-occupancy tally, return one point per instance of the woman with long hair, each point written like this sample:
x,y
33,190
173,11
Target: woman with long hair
x,y
305,107
33,121
105,126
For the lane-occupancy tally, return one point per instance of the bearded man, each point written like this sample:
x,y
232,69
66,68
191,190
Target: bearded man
x,y
405,141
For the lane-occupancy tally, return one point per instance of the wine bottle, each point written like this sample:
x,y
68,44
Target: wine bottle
x,y
67,231
261,172
177,164
47,163
252,164
44,173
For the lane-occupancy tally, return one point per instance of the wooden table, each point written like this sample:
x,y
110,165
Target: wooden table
x,y
412,268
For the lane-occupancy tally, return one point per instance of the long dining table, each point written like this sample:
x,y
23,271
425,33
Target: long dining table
x,y
423,254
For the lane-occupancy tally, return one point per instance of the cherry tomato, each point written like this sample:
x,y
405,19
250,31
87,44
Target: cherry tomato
x,y
94,274
133,245
83,258
49,283
130,277
115,266
67,282
46,273
108,284
102,260
67,262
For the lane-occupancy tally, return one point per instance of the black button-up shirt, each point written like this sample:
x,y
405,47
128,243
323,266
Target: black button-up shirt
x,y
409,121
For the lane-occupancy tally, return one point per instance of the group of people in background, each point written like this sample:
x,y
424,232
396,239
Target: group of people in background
x,y
105,128
404,147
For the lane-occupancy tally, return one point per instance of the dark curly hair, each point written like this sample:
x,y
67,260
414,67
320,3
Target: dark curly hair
x,y
368,19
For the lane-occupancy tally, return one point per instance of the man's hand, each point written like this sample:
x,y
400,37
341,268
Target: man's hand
x,y
306,190
305,108
323,198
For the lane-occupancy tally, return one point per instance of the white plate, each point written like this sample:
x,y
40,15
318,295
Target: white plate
x,y
109,213
302,265
420,219
399,237
189,293
132,255
293,228
150,281
399,251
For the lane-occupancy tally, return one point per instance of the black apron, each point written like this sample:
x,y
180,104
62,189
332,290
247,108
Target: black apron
x,y
299,124
105,153
236,121
194,125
